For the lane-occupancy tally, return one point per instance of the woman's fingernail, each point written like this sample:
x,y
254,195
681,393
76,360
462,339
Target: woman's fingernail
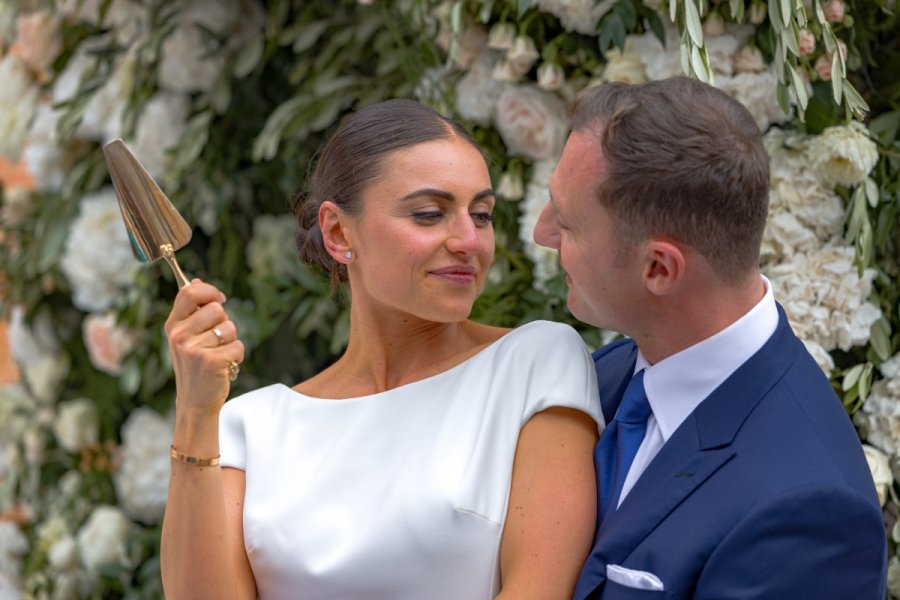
x,y
222,298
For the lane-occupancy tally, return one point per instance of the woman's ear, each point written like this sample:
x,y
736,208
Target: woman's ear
x,y
664,266
335,226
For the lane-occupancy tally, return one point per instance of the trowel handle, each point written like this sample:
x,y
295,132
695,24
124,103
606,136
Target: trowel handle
x,y
169,254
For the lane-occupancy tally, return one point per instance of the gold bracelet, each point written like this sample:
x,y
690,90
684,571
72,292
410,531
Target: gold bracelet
x,y
193,460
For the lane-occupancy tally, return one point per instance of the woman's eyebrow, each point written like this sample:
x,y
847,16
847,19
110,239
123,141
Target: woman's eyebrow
x,y
444,195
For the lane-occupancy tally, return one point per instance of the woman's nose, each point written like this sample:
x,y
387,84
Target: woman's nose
x,y
463,236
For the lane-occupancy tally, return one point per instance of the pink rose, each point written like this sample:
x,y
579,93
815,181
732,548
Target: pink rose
x,y
834,11
37,40
807,42
823,67
106,343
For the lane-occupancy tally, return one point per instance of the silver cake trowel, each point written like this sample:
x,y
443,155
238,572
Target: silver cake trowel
x,y
155,227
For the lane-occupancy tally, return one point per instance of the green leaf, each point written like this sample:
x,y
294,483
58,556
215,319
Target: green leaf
x,y
249,56
790,35
524,5
865,382
851,377
880,338
854,100
673,9
799,87
697,64
308,35
692,21
837,83
784,97
785,12
871,192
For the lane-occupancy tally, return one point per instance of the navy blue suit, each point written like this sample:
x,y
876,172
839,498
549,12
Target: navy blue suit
x,y
762,492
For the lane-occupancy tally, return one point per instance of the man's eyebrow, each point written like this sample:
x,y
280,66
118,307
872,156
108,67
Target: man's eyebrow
x,y
444,195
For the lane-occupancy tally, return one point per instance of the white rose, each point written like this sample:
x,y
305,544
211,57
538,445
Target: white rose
x,y
502,36
577,15
101,540
881,471
477,91
522,55
844,154
142,477
550,76
63,554
48,158
18,101
532,122
76,425
625,65
749,59
98,261
510,187
106,342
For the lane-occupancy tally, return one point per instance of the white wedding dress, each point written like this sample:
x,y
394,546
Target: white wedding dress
x,y
400,495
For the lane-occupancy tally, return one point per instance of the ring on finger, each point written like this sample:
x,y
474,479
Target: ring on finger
x,y
218,333
233,370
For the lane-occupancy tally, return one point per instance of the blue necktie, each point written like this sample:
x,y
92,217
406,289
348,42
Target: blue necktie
x,y
620,442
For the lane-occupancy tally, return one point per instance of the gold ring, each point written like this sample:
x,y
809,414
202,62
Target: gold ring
x,y
218,333
233,370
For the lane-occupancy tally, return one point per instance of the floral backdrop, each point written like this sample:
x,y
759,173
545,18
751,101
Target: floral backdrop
x,y
225,103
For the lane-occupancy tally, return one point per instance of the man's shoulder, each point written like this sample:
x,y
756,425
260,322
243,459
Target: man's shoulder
x,y
615,350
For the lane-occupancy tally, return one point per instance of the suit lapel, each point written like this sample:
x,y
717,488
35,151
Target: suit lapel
x,y
697,449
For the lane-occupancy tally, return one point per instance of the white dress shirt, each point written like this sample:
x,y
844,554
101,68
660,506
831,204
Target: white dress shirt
x,y
678,384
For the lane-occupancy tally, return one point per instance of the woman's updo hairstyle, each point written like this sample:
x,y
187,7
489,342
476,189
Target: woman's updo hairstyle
x,y
354,158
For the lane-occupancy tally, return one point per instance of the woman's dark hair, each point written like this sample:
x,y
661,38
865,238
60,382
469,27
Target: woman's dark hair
x,y
354,158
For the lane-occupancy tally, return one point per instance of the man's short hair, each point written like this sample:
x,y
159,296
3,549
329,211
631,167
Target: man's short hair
x,y
681,159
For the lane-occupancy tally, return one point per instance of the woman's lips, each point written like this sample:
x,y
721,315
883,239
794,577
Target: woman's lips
x,y
456,274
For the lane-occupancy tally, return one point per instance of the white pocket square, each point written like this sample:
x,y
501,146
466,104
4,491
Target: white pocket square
x,y
639,580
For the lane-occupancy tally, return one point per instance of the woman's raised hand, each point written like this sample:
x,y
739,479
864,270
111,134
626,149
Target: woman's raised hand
x,y
202,341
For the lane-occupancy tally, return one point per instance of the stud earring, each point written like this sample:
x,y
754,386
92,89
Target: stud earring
x,y
348,254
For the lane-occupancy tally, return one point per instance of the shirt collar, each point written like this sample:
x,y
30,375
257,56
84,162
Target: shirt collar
x,y
676,385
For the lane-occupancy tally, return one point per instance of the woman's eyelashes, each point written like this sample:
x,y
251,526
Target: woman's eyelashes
x,y
430,217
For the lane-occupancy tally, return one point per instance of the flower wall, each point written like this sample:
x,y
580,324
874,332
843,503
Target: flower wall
x,y
226,101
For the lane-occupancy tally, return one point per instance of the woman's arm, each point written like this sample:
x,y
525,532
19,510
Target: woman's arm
x,y
202,549
552,506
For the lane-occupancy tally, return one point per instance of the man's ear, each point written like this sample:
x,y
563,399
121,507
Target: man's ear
x,y
336,234
664,266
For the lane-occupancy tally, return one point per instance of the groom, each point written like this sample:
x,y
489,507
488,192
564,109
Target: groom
x,y
728,467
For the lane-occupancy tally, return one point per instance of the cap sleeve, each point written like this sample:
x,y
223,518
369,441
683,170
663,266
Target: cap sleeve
x,y
561,372
232,435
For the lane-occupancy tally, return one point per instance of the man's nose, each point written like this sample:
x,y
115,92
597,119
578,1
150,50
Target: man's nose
x,y
546,230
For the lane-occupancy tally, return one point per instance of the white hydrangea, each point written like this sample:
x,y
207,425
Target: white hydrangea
x,y
537,194
268,252
13,546
102,539
18,102
532,122
804,213
879,417
844,154
49,159
102,117
190,59
580,16
142,477
825,299
76,426
38,352
758,92
98,261
152,141
821,356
